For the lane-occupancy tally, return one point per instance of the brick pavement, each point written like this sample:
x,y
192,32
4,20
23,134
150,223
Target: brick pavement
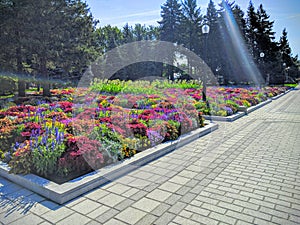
x,y
247,172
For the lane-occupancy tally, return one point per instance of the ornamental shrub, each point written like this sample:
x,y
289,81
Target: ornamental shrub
x,y
7,85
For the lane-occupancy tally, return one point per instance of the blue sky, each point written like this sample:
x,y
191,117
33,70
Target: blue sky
x,y
285,13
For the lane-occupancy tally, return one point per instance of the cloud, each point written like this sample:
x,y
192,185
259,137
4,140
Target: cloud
x,y
147,18
293,16
134,15
142,22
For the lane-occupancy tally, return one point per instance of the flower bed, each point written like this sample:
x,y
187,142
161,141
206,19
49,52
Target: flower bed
x,y
81,130
62,140
228,101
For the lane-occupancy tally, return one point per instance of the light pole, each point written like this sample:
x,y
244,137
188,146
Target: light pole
x,y
284,65
262,55
205,31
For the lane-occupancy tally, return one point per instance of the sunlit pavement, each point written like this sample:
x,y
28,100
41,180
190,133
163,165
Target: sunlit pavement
x,y
247,172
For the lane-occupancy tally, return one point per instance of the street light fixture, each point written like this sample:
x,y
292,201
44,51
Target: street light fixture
x,y
205,31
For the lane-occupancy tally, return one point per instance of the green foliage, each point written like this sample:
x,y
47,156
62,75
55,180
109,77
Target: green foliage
x,y
21,162
291,85
140,87
7,85
47,149
61,38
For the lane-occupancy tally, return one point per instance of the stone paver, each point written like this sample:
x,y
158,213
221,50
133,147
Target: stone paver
x,y
247,172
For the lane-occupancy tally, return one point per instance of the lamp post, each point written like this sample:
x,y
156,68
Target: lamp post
x,y
262,55
287,75
284,65
205,31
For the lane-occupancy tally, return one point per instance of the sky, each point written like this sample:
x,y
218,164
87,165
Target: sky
x,y
284,13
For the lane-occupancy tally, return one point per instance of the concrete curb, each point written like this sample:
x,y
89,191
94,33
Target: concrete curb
x,y
74,188
255,107
282,94
225,119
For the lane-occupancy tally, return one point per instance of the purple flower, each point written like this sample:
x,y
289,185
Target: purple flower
x,y
56,132
228,110
17,145
53,145
44,140
40,151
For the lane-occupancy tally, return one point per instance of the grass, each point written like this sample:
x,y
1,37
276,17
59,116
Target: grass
x,y
6,96
291,85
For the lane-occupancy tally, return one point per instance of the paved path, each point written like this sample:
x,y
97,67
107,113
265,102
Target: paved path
x,y
247,172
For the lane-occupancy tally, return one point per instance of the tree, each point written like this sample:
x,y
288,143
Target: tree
x,y
267,45
153,33
291,63
214,44
240,20
170,29
265,34
285,50
252,27
127,34
48,35
170,23
190,25
228,57
11,40
190,28
109,37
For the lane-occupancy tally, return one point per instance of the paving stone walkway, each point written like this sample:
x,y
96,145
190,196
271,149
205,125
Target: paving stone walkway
x,y
247,172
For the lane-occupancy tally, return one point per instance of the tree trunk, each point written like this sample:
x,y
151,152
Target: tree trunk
x,y
45,75
21,81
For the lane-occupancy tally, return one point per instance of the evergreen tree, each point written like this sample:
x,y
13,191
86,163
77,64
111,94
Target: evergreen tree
x,y
191,28
170,23
127,34
170,30
227,57
12,32
214,44
153,33
109,37
252,28
50,34
265,34
267,45
239,15
285,50
290,62
191,25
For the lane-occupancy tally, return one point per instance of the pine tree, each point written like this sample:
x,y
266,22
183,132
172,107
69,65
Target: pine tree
x,y
252,27
48,35
170,30
265,34
285,50
214,44
12,32
266,44
170,23
190,25
229,65
240,20
127,34
291,63
190,28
